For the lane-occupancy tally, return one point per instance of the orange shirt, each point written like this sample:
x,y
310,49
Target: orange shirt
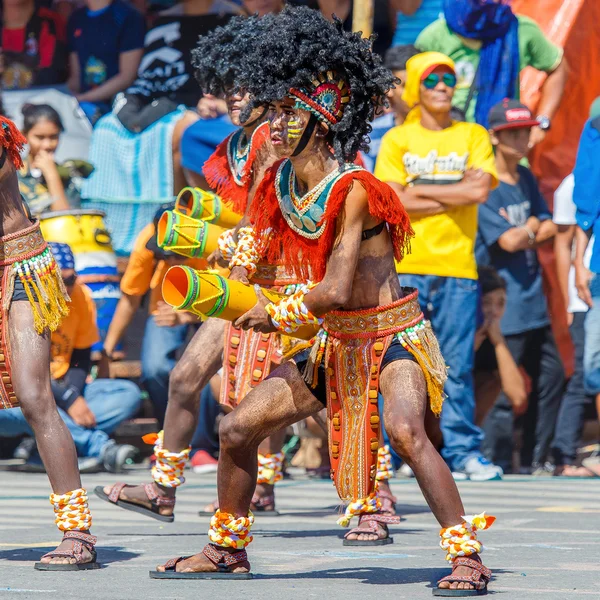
x,y
145,273
77,331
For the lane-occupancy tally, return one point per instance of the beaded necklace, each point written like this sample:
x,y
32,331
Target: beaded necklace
x,y
304,213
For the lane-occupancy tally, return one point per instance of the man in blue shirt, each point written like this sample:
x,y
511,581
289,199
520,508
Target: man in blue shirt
x,y
513,222
106,42
586,195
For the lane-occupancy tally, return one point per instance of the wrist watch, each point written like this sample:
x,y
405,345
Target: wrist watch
x,y
544,122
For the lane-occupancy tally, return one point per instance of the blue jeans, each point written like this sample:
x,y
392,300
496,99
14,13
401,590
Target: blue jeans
x,y
591,352
159,355
450,303
111,400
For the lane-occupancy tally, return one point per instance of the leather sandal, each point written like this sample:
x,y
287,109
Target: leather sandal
x,y
224,561
76,552
374,524
479,579
156,501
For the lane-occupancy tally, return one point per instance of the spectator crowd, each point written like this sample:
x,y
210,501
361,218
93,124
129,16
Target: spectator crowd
x,y
454,145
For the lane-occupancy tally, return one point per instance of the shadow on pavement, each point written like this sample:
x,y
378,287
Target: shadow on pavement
x,y
376,575
321,533
106,554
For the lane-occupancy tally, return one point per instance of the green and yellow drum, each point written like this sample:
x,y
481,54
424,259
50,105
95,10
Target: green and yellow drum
x,y
205,206
208,294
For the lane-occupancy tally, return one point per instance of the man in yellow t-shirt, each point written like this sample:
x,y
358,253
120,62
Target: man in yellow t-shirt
x,y
442,170
166,330
91,411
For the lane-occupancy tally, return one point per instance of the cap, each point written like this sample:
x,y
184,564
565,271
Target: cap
x,y
510,114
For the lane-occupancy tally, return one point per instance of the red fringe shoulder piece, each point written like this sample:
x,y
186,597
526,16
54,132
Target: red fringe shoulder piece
x,y
12,140
217,171
308,257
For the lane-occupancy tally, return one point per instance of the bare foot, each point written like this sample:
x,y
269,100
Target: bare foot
x,y
66,546
136,494
460,571
264,498
199,563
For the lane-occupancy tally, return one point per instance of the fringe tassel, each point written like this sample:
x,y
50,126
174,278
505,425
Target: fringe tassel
x,y
423,345
12,140
45,290
308,257
315,358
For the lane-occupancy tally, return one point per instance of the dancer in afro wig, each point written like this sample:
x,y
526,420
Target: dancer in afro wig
x,y
296,47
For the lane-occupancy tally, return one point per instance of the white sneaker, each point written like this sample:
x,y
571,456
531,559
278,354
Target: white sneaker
x,y
478,468
405,471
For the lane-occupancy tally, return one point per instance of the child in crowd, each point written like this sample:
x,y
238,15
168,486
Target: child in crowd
x,y
513,222
495,368
40,181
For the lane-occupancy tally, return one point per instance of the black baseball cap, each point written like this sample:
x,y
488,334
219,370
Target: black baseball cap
x,y
510,114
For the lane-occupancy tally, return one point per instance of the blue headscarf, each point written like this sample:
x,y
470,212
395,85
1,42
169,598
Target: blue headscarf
x,y
63,255
495,24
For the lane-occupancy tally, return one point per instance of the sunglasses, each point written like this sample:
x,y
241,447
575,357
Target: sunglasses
x,y
433,79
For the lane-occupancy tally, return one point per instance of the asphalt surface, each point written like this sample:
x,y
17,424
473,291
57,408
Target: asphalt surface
x,y
544,544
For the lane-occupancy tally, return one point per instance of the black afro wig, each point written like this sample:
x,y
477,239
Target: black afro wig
x,y
298,44
219,54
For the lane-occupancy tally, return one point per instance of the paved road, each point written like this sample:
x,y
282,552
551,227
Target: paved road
x,y
544,545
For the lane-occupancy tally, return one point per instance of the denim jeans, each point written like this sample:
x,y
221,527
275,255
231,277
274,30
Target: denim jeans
x,y
591,353
450,303
537,352
159,355
111,400
569,424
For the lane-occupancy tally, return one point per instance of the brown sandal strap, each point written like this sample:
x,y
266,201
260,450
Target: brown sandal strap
x,y
88,539
115,492
371,527
172,562
263,501
223,559
475,581
155,498
380,518
465,561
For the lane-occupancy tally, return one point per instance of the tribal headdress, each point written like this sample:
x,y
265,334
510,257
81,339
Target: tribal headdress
x,y
12,142
326,98
330,72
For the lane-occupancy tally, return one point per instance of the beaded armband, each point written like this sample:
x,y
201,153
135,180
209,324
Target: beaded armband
x,y
227,245
246,254
290,313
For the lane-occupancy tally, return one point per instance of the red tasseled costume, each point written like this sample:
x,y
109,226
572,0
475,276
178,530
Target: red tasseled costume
x,y
308,257
12,140
218,174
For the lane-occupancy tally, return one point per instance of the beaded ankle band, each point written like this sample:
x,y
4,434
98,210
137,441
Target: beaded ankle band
x,y
169,466
72,510
385,470
269,468
362,506
229,531
461,540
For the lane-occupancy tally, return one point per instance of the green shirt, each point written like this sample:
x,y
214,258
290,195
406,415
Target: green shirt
x,y
535,50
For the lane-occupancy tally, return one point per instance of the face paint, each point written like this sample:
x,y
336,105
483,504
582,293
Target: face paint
x,y
294,130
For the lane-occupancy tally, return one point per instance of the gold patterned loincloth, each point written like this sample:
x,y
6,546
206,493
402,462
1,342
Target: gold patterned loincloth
x,y
354,344
249,356
26,255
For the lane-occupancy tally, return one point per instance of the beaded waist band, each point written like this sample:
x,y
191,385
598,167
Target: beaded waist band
x,y
379,321
22,245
